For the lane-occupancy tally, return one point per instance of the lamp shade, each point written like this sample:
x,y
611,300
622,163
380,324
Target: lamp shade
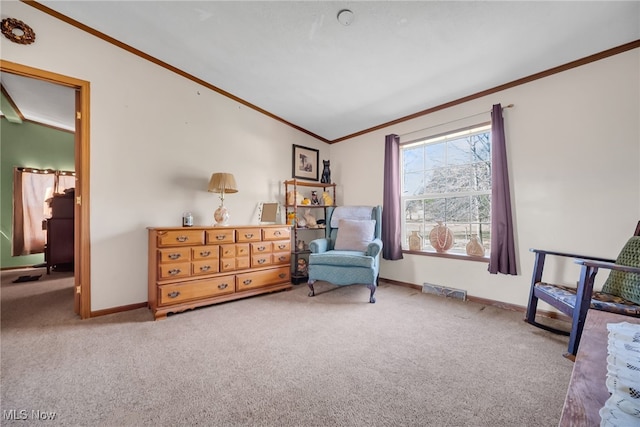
x,y
222,183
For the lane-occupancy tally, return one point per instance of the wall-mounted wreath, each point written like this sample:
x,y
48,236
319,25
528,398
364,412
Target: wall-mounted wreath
x,y
17,31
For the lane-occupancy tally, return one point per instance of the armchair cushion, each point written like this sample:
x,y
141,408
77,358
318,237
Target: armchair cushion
x,y
355,235
343,258
624,284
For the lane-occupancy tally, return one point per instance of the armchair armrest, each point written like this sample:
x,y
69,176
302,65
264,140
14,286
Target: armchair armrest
x,y
570,255
608,265
374,248
318,246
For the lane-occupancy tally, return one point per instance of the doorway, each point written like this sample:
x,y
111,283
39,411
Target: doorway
x,y
82,243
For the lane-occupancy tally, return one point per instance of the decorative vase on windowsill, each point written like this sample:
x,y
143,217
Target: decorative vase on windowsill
x,y
441,238
474,247
415,241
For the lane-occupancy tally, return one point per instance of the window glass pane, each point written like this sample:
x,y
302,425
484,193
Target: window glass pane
x,y
413,183
434,210
481,147
414,211
481,176
459,178
458,209
437,181
481,208
434,156
458,152
413,159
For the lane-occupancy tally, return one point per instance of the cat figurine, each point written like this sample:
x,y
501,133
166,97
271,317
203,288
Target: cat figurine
x,y
326,173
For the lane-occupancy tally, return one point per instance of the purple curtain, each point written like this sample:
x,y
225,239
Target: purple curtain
x,y
503,254
391,211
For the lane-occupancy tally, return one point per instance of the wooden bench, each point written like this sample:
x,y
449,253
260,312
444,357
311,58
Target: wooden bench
x,y
587,391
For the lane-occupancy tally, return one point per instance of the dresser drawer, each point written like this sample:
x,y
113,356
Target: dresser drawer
x,y
259,279
248,235
261,248
174,270
205,252
261,260
282,246
278,233
180,238
179,292
281,258
174,255
205,267
232,251
230,264
222,235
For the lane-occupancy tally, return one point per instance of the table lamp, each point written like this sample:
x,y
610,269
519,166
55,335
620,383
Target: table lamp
x,y
222,183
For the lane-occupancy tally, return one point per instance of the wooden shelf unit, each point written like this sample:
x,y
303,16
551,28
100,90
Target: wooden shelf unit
x,y
296,254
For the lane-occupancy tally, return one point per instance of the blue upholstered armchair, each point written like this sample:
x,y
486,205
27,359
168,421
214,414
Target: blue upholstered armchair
x,y
350,252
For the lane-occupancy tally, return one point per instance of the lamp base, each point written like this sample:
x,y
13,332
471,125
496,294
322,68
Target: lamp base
x,y
221,216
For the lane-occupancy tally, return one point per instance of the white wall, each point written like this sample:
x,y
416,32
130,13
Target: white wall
x,y
574,156
156,137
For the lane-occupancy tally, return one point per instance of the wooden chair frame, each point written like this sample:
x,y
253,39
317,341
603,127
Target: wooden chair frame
x,y
578,313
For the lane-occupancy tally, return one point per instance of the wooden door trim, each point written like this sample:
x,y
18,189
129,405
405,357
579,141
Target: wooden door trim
x,y
82,241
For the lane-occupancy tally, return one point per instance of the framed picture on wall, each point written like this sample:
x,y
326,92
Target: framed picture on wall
x,y
305,163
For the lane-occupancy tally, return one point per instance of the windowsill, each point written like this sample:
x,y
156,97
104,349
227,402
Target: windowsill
x,y
450,255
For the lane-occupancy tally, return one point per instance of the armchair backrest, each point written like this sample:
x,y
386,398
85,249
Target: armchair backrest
x,y
352,212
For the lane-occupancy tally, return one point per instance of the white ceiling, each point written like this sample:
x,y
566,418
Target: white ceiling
x,y
296,61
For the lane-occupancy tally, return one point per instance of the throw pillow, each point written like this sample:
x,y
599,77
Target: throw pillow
x,y
354,235
620,283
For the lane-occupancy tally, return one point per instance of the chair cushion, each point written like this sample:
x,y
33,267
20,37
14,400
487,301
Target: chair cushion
x,y
354,235
623,284
342,258
599,300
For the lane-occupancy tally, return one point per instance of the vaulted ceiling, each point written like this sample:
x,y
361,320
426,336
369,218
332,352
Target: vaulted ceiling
x,y
295,61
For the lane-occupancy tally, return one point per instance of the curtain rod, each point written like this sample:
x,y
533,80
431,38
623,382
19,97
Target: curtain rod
x,y
45,171
453,121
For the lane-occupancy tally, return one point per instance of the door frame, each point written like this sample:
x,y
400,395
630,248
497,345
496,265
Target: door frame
x,y
82,241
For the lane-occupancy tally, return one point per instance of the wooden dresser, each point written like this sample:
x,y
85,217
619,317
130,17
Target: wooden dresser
x,y
196,266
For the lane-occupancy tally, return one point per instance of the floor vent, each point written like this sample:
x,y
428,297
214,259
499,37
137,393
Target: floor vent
x,y
429,288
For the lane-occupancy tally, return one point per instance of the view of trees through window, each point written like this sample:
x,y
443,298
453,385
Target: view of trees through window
x,y
447,179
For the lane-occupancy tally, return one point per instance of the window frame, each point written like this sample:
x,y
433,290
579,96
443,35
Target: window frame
x,y
475,129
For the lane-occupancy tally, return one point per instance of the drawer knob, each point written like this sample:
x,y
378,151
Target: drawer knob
x,y
220,237
174,256
282,275
173,294
182,238
277,233
262,261
223,286
282,258
205,268
247,282
248,235
174,271
205,253
282,246
261,248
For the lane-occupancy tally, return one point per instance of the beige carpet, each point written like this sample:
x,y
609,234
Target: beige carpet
x,y
282,359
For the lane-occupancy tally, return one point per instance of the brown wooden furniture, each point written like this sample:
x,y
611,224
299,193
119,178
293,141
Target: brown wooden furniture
x,y
574,302
59,247
587,391
198,266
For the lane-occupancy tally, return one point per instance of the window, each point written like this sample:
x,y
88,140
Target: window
x,y
447,178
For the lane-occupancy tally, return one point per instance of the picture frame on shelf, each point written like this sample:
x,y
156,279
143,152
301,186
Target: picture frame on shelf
x,y
305,163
